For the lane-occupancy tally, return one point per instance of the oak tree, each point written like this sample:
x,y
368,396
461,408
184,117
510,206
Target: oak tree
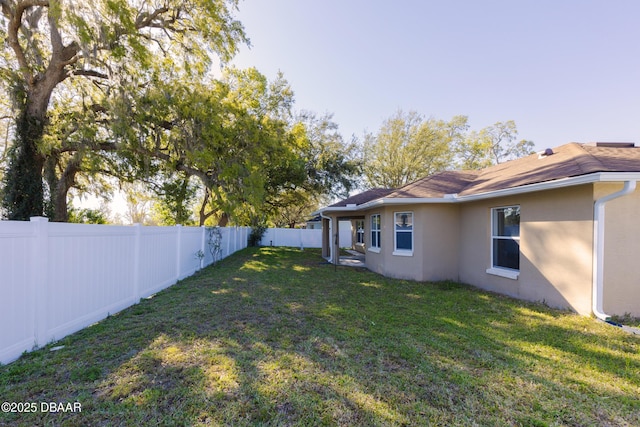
x,y
109,45
492,145
408,147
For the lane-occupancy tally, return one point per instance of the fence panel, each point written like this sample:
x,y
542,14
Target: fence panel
x,y
303,238
57,278
158,255
89,275
17,312
191,244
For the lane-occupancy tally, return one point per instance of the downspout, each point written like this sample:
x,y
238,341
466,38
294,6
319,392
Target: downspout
x,y
598,248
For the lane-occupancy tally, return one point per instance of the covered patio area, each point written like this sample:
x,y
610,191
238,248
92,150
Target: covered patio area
x,y
347,210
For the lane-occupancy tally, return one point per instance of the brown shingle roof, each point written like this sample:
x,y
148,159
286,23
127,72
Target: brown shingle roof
x,y
360,198
569,160
437,185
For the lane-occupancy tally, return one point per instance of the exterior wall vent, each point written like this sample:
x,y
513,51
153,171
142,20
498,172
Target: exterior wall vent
x,y
546,153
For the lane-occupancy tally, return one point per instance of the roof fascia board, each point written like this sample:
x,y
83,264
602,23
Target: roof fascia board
x,y
558,183
540,186
405,201
335,209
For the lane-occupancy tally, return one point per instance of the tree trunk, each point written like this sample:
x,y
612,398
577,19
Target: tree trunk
x,y
203,208
66,181
224,220
23,195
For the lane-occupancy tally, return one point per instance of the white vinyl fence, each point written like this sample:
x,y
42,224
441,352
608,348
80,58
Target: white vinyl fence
x,y
58,278
295,237
303,238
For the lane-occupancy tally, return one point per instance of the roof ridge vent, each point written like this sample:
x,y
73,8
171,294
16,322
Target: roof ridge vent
x,y
612,144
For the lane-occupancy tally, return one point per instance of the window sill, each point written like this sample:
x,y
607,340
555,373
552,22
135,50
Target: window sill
x,y
374,250
504,272
403,253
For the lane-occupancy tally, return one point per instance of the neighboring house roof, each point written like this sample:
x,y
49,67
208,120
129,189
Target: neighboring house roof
x,y
361,198
534,172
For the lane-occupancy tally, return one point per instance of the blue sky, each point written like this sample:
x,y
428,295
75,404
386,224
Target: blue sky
x,y
564,70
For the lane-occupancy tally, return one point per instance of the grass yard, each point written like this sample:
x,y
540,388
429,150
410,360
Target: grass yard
x,y
274,337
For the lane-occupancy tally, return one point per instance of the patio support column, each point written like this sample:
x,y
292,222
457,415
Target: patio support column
x,y
335,240
326,237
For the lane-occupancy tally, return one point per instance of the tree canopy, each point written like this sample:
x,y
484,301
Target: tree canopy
x,y
492,145
93,49
409,146
124,89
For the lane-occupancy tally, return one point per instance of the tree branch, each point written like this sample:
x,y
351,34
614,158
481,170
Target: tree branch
x,y
146,19
56,39
15,23
6,8
89,73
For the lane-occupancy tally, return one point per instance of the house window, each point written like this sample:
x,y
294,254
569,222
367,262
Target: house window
x,y
360,232
403,226
375,231
505,238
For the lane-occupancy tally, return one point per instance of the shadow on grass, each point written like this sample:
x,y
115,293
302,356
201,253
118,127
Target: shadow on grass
x,y
273,337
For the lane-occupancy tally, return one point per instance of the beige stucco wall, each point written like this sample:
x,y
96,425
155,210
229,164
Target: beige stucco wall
x,y
435,243
453,241
556,236
622,249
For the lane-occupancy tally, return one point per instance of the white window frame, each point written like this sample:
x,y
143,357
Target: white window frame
x,y
497,270
402,252
378,230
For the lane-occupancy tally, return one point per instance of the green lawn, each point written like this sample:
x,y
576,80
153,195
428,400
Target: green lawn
x,y
274,336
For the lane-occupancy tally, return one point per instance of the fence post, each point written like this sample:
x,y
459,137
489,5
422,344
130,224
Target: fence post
x,y
40,283
178,251
202,243
137,257
235,239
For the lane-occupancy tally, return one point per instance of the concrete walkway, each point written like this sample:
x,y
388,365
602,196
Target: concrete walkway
x,y
355,259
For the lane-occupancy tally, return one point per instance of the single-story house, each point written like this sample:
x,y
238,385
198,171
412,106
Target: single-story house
x,y
559,226
314,223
